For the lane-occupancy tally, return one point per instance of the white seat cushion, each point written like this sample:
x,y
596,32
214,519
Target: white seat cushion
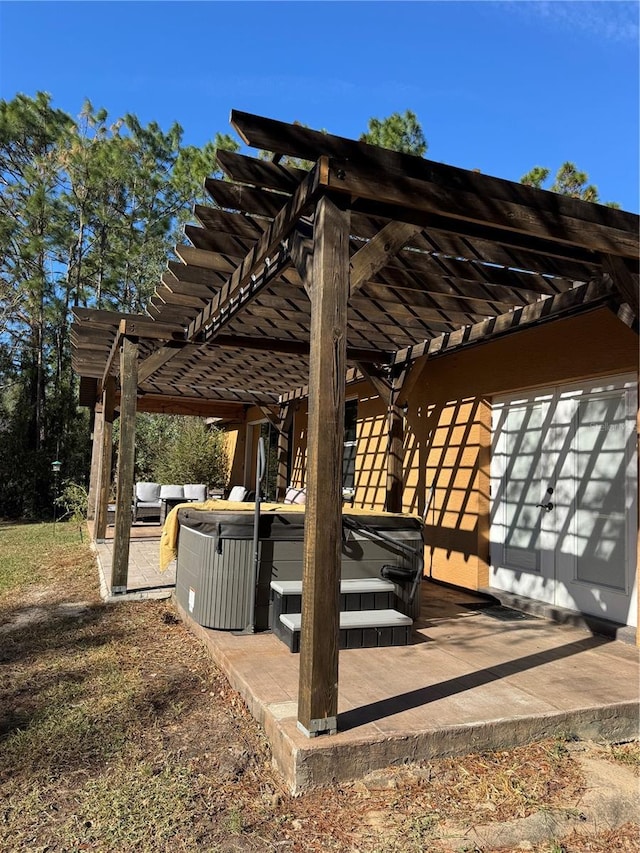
x,y
148,492
171,492
195,491
237,493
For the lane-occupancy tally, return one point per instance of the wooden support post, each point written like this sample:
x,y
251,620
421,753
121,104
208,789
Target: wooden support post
x,y
286,416
638,517
126,452
318,686
96,454
395,449
104,471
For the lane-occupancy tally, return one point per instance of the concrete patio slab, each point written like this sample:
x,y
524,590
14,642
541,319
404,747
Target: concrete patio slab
x,y
469,682
145,579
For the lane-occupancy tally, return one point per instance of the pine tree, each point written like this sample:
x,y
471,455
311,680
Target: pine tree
x,y
398,132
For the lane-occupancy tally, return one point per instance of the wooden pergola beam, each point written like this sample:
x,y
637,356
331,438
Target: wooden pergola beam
x,y
370,259
153,330
379,382
300,250
115,347
278,231
194,279
236,224
395,445
156,360
235,294
242,296
100,317
623,281
427,197
296,348
565,258
625,315
246,199
259,173
97,427
141,327
302,392
210,240
194,406
285,416
585,297
443,181
200,258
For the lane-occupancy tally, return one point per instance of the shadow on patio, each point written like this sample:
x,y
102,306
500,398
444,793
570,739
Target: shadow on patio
x,y
469,682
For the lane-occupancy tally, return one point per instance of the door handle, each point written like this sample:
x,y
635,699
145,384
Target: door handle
x,y
548,506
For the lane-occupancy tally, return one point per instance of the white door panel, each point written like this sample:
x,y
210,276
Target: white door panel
x,y
573,450
517,533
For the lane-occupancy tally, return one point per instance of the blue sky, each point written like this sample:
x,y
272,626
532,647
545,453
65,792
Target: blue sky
x,y
497,86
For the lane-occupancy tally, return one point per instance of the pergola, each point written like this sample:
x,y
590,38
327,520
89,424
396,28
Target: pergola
x,y
297,281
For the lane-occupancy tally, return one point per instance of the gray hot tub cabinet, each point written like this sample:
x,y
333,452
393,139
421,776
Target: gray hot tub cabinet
x,y
215,587
215,565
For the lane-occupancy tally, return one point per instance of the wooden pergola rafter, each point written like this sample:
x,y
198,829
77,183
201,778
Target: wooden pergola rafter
x,y
297,281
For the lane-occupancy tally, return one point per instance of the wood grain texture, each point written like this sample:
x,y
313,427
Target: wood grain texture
x,y
406,192
299,141
585,297
395,444
259,173
380,383
368,260
184,405
285,420
155,361
247,199
474,248
126,456
104,472
278,231
624,281
96,454
318,686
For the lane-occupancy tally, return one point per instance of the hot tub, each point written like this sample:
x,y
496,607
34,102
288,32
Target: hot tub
x,y
215,576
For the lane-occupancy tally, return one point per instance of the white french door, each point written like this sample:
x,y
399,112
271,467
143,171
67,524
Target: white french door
x,y
564,497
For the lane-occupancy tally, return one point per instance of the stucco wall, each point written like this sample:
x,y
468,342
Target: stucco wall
x,y
235,443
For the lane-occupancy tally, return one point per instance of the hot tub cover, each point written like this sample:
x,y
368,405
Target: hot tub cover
x,y
278,521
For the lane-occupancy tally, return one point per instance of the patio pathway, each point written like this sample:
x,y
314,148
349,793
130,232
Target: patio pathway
x,y
145,579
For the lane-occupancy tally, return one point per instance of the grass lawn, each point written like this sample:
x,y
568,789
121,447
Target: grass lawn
x,y
117,733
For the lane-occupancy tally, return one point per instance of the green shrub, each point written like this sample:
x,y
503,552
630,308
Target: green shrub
x,y
195,454
73,501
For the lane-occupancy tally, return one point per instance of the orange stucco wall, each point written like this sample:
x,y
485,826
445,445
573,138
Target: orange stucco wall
x,y
235,437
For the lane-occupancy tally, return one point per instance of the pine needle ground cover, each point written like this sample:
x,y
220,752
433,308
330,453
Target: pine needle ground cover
x,y
117,733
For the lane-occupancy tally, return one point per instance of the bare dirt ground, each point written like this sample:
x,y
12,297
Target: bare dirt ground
x,y
117,733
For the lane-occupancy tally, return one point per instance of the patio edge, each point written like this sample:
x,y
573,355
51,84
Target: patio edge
x,y
330,760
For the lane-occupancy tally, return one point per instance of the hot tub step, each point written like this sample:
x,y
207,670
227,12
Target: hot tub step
x,y
355,594
359,629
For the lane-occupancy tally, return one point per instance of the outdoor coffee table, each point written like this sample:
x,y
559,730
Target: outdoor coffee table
x,y
167,504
